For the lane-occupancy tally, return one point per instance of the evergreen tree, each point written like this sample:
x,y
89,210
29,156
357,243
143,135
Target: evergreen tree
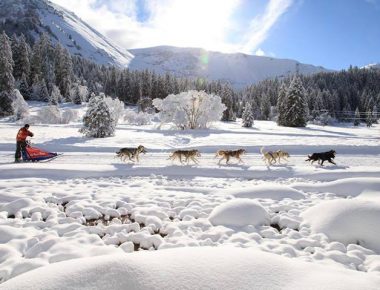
x,y
369,119
21,58
98,121
64,71
265,107
24,87
295,105
357,117
247,117
281,105
7,82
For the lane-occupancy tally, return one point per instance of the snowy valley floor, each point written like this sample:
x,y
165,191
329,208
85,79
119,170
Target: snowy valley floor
x,y
87,203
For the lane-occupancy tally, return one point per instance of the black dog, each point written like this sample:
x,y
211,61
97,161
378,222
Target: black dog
x,y
323,156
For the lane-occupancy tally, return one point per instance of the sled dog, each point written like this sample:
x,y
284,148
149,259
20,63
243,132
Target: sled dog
x,y
186,154
280,154
268,156
131,153
322,157
227,154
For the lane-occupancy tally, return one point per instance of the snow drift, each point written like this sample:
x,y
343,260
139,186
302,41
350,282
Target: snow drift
x,y
191,268
271,191
352,221
343,187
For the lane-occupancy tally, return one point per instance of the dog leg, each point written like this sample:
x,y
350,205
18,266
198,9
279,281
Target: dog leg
x,y
329,160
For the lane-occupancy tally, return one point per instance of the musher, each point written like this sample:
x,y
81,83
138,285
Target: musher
x,y
22,134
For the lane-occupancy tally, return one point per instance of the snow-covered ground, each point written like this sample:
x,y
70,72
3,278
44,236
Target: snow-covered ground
x,y
87,203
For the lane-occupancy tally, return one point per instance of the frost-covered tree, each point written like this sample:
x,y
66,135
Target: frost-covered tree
x,y
247,117
20,107
357,117
116,107
98,121
7,82
190,110
55,96
40,91
295,107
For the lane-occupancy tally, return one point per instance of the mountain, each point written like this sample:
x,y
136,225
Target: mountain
x,y
372,66
34,17
237,68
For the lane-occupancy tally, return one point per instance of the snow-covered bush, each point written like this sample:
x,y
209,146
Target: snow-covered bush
x,y
20,107
190,110
69,116
98,121
323,119
116,106
133,118
49,115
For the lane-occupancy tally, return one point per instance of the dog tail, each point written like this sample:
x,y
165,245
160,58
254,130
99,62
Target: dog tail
x,y
309,158
262,150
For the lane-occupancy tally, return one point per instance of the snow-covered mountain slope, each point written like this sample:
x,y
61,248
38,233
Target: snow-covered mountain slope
x,y
34,17
237,68
372,66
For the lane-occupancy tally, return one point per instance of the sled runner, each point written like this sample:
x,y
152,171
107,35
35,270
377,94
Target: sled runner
x,y
35,154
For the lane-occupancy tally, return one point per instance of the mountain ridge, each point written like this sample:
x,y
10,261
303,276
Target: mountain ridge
x,y
239,69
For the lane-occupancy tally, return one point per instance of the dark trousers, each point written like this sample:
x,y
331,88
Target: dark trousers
x,y
20,147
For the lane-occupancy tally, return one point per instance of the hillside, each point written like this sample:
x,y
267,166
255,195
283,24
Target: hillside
x,y
34,17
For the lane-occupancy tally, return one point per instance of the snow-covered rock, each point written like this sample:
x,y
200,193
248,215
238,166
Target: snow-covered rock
x,y
351,221
192,268
239,213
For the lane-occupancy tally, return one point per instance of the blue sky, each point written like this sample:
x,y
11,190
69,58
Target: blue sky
x,y
331,33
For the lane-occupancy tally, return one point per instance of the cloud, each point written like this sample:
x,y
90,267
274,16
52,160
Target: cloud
x,y
259,52
261,24
194,23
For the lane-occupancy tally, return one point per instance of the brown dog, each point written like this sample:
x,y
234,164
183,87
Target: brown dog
x,y
186,154
227,154
130,153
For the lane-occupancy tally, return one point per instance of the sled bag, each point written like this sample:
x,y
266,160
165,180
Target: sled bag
x,y
35,154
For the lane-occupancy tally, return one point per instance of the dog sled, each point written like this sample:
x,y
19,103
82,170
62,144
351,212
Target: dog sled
x,y
34,154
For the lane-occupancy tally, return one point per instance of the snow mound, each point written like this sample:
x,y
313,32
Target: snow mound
x,y
352,221
191,268
239,213
271,191
343,187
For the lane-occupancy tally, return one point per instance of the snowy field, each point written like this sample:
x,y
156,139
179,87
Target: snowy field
x,y
287,226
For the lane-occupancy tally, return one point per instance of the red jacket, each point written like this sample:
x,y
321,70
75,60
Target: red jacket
x,y
23,133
